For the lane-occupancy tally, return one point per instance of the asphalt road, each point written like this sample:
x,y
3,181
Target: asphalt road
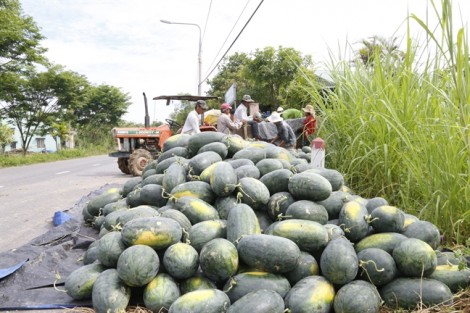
x,y
30,195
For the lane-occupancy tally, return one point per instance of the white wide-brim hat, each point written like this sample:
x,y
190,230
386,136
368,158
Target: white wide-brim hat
x,y
275,117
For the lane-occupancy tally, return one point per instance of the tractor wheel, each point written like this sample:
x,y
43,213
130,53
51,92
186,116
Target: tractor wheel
x,y
123,164
138,160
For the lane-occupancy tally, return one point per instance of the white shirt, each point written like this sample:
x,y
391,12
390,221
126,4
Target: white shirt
x,y
191,125
240,113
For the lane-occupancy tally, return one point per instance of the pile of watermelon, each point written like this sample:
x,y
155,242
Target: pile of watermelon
x,y
220,224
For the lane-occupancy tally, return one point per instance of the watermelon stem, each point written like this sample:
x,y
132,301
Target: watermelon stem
x,y
232,283
191,176
57,278
186,236
368,219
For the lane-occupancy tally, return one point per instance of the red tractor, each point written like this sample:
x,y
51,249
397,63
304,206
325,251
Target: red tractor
x,y
137,146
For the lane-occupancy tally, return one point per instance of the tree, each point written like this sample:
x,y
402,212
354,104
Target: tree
x,y
101,111
6,136
379,47
231,71
19,38
268,75
40,97
104,106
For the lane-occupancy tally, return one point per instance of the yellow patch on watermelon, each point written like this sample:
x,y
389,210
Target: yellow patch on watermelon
x,y
447,267
408,221
323,293
314,269
200,207
288,226
153,283
198,296
353,209
113,190
149,238
389,209
185,193
180,247
257,273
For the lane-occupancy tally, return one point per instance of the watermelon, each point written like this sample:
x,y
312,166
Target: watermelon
x,y
181,260
195,209
268,253
110,247
352,219
201,233
241,221
414,258
376,266
110,294
219,260
201,301
217,147
253,192
160,293
244,283
309,186
424,231
259,301
309,236
339,262
411,293
156,232
79,284
307,210
138,265
387,218
306,266
357,296
311,294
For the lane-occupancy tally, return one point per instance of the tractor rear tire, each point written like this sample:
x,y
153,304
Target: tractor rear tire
x,y
123,164
138,160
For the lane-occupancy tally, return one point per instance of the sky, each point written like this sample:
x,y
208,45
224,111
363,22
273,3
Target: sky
x,y
123,43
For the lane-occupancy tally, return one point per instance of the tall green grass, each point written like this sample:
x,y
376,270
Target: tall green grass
x,y
401,130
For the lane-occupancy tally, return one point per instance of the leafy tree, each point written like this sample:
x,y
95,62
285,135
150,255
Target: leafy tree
x,y
6,136
57,129
19,38
101,111
269,76
36,98
231,71
104,106
379,48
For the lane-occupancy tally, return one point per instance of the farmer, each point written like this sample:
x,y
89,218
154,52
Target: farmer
x,y
310,125
226,121
193,120
285,135
241,115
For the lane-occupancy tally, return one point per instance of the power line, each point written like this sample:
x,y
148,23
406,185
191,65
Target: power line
x,y
241,31
207,19
226,38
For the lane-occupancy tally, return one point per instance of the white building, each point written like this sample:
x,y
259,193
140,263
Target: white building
x,y
38,143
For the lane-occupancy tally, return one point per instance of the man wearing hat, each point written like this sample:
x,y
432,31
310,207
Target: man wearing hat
x,y
193,120
285,134
241,115
225,124
310,125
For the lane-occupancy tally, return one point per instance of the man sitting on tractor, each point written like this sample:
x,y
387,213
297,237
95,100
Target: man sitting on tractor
x,y
193,120
241,115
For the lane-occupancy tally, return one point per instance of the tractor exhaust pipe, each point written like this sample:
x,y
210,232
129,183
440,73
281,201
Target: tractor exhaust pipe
x,y
147,116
